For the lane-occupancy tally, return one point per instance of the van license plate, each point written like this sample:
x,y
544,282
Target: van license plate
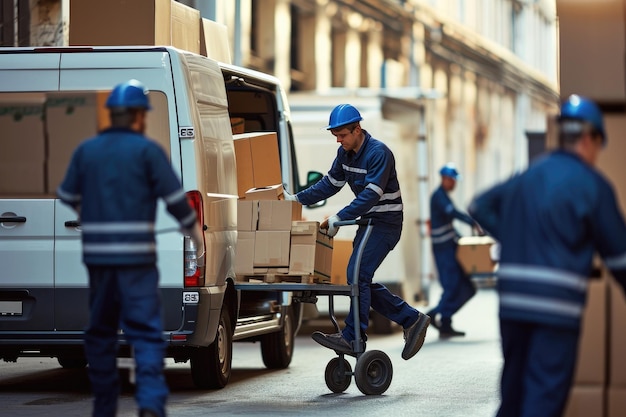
x,y
10,308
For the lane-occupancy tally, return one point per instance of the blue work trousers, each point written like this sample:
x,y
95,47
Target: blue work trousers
x,y
455,283
126,298
539,363
377,296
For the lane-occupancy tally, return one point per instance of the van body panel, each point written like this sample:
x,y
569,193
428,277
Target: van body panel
x,y
40,70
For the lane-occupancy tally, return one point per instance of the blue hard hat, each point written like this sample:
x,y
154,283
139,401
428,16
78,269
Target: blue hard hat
x,y
130,94
580,108
449,170
342,115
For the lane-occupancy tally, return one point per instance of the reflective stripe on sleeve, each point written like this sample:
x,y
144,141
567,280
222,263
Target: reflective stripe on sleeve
x,y
175,197
444,238
72,198
391,196
376,189
384,208
335,182
616,262
441,229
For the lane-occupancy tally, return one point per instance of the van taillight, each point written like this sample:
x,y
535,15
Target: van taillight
x,y
194,257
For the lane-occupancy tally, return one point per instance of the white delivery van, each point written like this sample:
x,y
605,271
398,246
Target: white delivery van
x,y
50,100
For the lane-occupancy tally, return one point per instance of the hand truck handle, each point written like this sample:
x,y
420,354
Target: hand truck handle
x,y
360,222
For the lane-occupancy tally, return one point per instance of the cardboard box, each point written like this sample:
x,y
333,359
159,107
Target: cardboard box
x,y
592,358
214,44
145,22
271,249
585,401
270,192
311,251
473,253
70,119
22,144
247,215
342,250
616,402
278,214
244,255
258,162
617,347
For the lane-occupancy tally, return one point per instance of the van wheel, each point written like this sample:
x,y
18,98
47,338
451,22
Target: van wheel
x,y
72,362
211,365
277,347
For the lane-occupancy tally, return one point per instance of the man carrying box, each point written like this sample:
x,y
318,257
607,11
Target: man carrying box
x,y
368,167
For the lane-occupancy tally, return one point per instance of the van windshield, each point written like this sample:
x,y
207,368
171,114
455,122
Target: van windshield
x,y
39,132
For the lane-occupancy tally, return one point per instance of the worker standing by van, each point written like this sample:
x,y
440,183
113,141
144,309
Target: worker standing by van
x,y
455,283
114,181
550,220
368,167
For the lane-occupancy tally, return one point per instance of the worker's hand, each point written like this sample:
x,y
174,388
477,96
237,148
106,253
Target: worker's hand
x,y
289,197
329,224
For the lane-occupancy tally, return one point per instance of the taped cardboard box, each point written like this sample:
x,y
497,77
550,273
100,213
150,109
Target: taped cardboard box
x,y
22,159
271,249
247,215
311,251
342,250
473,253
270,192
244,255
258,161
585,401
278,214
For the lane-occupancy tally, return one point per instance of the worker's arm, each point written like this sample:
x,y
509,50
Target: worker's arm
x,y
486,209
328,186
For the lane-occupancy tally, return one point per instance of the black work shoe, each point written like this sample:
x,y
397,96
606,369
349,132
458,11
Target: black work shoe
x,y
446,333
333,341
147,413
414,336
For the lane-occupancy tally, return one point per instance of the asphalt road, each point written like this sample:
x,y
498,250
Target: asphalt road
x,y
446,378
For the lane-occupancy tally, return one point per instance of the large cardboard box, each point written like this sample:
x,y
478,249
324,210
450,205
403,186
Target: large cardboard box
x,y
311,251
144,22
70,119
258,162
278,214
474,255
271,249
247,215
616,401
342,250
592,359
22,147
617,368
244,255
585,401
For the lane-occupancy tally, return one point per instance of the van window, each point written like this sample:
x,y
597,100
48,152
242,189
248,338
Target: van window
x,y
41,130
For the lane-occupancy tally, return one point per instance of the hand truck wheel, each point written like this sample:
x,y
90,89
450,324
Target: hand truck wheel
x,y
338,375
373,372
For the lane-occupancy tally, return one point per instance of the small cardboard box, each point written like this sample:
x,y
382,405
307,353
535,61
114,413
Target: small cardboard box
x,y
214,44
244,255
258,162
342,250
247,215
473,253
278,214
591,364
271,249
22,148
311,251
270,192
585,401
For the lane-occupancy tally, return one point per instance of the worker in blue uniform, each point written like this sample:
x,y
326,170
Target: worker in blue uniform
x,y
113,182
368,167
550,220
457,288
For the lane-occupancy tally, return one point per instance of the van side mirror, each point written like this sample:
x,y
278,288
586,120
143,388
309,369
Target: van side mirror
x,y
312,177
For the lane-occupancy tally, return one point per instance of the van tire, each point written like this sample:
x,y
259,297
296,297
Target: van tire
x,y
72,362
277,347
211,365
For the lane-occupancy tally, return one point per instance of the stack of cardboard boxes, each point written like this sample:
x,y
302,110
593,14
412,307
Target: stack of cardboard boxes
x,y
273,240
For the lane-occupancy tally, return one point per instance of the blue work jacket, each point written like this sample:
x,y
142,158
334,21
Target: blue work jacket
x,y
550,220
371,175
442,214
114,181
